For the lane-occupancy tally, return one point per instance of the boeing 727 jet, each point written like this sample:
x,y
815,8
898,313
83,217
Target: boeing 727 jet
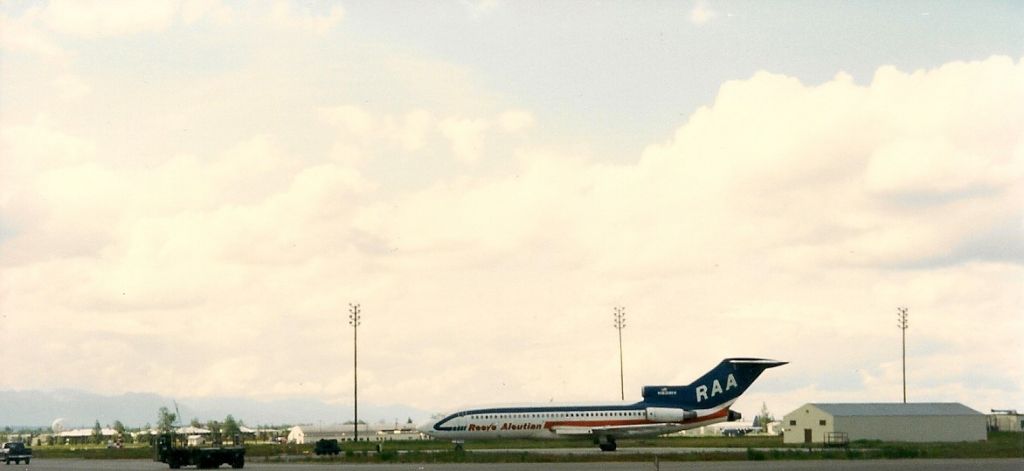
x,y
664,409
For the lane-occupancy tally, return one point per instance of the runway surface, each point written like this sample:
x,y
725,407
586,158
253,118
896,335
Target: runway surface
x,y
866,465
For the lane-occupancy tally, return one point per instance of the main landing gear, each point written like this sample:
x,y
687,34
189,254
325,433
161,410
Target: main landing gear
x,y
606,443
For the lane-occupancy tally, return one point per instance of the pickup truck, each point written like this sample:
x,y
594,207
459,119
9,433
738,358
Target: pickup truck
x,y
16,452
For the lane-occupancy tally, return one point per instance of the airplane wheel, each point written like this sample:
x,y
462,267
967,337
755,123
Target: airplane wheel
x,y
607,446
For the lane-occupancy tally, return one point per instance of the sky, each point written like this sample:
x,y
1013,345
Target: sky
x,y
193,192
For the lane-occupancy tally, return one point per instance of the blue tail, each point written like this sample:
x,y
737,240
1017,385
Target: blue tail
x,y
724,383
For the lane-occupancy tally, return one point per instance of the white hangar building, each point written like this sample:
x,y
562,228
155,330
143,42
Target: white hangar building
x,y
301,434
915,422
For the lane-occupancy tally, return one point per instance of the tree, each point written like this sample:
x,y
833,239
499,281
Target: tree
x,y
119,428
97,433
765,417
165,420
215,429
196,423
231,426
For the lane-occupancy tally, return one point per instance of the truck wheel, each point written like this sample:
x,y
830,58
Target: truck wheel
x,y
238,464
27,460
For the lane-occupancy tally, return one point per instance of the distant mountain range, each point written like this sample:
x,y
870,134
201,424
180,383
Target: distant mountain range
x,y
83,409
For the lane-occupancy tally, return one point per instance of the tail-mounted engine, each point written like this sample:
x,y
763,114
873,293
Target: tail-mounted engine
x,y
669,414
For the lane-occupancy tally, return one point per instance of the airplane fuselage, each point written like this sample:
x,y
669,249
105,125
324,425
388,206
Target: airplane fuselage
x,y
545,421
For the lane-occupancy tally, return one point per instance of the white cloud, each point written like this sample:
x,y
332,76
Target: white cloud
x,y
284,16
193,11
25,34
94,18
515,120
416,125
776,220
480,8
351,119
466,137
70,87
701,13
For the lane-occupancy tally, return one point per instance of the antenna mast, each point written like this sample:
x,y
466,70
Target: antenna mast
x,y
901,322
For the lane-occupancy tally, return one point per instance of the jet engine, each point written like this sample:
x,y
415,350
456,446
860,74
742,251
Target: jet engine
x,y
669,414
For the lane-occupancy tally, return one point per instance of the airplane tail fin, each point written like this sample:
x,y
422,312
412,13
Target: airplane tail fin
x,y
723,384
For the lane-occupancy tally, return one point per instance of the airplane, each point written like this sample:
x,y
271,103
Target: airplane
x,y
664,409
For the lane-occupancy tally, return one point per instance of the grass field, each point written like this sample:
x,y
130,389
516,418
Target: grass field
x,y
998,445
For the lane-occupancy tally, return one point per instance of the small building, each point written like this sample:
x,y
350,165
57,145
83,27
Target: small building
x,y
819,423
1006,421
84,435
342,432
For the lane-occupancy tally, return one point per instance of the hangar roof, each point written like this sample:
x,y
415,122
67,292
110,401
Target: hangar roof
x,y
895,409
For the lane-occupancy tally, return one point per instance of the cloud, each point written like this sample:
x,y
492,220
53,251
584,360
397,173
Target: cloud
x,y
92,19
284,16
193,11
24,34
480,8
777,219
70,87
515,120
702,13
466,137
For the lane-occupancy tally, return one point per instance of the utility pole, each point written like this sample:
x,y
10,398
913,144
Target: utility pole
x,y
620,323
354,319
901,322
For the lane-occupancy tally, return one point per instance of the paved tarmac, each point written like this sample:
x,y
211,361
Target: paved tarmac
x,y
865,465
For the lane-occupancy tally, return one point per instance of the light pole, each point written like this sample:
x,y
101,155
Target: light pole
x,y
620,323
354,319
901,322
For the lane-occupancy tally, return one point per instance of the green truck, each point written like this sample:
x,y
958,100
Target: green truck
x,y
16,452
170,450
326,446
